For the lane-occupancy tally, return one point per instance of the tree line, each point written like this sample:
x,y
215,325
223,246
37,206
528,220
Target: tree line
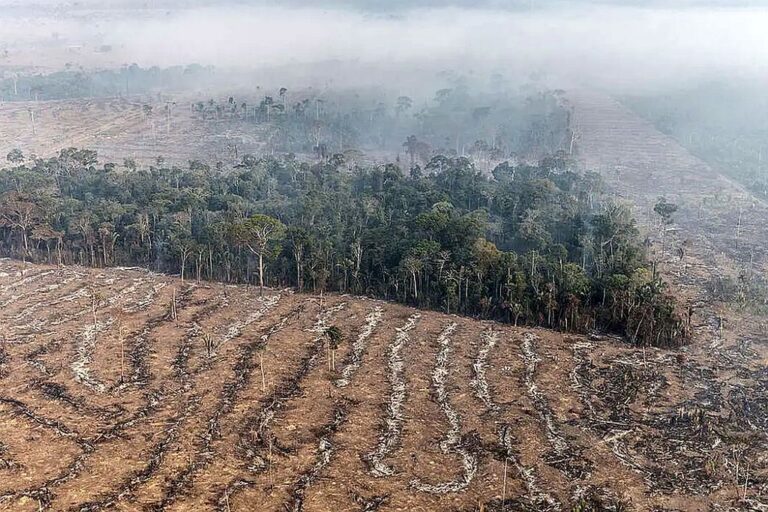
x,y
79,83
489,126
528,244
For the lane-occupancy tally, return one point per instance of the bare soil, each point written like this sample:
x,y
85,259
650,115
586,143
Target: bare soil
x,y
161,423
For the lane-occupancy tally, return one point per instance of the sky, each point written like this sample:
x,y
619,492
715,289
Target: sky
x,y
630,44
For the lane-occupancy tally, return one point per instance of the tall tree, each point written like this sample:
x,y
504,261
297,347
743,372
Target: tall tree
x,y
19,212
257,234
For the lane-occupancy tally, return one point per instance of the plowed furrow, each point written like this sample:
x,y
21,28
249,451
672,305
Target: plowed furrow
x,y
84,346
56,426
346,483
479,383
359,347
128,486
535,496
150,403
61,394
512,440
26,278
7,462
256,441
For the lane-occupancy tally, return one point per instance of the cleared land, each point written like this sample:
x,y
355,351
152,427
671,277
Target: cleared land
x,y
129,408
120,128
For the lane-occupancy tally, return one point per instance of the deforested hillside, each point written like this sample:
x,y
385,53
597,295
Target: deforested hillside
x,y
712,248
122,389
383,256
711,252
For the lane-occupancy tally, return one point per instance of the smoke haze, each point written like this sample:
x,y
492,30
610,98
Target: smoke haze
x,y
623,47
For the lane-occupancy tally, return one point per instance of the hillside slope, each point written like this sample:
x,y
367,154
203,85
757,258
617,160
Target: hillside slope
x,y
121,406
719,233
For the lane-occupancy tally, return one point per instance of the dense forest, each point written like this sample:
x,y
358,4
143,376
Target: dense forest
x,y
534,244
78,83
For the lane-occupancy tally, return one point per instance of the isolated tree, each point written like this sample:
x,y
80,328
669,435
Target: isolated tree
x,y
334,337
147,109
266,105
15,156
258,233
210,343
96,300
411,146
32,120
172,313
403,103
665,210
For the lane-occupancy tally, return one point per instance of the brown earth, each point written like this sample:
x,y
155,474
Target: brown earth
x,y
126,408
119,128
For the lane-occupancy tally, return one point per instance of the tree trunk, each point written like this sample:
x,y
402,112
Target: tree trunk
x,y
261,274
297,257
25,240
261,366
183,264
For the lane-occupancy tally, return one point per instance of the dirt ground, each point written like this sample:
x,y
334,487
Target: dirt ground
x,y
123,389
119,128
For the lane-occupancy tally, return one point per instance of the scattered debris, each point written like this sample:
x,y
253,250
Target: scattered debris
x,y
359,346
393,425
479,381
453,442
